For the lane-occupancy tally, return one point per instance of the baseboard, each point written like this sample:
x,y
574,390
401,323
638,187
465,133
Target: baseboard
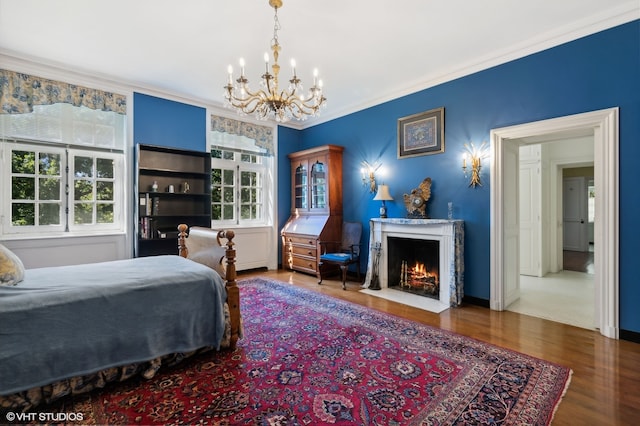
x,y
470,300
631,336
252,270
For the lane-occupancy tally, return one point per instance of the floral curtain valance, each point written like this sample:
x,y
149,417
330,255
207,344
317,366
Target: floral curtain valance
x,y
20,92
263,135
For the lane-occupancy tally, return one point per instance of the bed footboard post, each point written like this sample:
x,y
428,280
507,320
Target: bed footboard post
x,y
182,243
233,293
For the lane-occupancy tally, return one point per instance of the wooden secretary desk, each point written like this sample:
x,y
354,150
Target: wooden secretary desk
x,y
316,206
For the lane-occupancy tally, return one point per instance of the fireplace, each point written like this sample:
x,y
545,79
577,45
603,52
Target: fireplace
x,y
418,262
413,266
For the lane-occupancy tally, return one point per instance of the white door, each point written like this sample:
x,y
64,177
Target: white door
x,y
574,214
530,211
511,216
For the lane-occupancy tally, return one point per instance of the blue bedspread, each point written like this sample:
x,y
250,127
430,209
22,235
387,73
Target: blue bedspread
x,y
68,321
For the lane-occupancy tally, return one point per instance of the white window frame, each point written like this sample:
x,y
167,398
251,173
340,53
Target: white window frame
x,y
238,166
7,175
118,191
67,225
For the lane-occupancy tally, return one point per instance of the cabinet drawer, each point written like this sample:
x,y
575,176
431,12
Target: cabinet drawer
x,y
305,264
303,250
301,241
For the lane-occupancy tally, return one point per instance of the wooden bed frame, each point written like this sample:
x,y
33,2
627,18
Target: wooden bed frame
x,y
233,293
207,242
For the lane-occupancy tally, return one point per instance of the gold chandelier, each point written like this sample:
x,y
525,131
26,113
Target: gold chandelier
x,y
270,101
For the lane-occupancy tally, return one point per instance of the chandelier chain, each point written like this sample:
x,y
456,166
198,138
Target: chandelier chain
x,y
276,27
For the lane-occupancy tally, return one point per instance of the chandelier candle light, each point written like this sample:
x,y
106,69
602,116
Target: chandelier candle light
x,y
270,100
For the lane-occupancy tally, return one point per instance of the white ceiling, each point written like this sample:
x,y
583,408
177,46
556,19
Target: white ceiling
x,y
367,51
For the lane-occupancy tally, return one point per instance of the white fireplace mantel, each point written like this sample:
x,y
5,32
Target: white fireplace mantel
x,y
449,233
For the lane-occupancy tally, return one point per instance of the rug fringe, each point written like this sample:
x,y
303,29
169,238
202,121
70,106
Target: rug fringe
x,y
561,397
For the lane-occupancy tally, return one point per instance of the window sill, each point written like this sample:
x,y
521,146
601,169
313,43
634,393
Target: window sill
x,y
60,235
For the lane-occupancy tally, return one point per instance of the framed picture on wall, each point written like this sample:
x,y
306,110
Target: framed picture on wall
x,y
421,134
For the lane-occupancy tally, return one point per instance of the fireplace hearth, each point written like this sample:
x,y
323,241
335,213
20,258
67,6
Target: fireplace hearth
x,y
420,262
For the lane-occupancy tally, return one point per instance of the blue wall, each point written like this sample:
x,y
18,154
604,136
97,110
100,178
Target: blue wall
x,y
158,121
596,72
289,140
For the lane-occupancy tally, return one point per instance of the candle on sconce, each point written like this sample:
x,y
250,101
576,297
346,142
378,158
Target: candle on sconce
x,y
266,61
464,161
241,66
230,70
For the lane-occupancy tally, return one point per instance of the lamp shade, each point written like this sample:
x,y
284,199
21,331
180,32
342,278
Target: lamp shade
x,y
383,193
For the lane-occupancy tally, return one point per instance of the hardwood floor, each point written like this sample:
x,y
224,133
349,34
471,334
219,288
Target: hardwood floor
x,y
579,261
604,389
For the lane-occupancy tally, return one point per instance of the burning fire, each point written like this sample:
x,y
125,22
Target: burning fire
x,y
420,271
418,277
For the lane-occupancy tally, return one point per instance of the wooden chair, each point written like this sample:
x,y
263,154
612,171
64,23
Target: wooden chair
x,y
342,253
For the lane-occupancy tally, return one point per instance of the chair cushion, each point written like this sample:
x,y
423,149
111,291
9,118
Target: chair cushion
x,y
336,257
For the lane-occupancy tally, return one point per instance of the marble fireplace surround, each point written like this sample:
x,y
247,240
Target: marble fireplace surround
x,y
449,234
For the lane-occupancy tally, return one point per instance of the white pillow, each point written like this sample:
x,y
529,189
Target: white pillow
x,y
11,267
213,257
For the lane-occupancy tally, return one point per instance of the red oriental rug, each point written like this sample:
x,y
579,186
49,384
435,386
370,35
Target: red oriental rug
x,y
310,359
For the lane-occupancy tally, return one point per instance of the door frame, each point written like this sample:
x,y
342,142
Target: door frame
x,y
604,125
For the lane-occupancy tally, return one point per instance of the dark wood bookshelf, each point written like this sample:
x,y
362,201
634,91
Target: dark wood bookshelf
x,y
160,210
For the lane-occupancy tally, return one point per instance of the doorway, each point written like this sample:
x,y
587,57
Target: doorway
x,y
505,232
553,283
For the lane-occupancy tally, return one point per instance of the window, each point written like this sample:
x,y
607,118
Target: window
x,y
58,190
93,188
36,187
62,171
591,197
237,186
241,181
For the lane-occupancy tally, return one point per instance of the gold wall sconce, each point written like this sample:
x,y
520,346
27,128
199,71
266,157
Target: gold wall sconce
x,y
474,156
368,175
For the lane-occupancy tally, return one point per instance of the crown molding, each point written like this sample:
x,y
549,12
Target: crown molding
x,y
588,26
614,17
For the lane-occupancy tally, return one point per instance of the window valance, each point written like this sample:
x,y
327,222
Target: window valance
x,y
263,135
20,92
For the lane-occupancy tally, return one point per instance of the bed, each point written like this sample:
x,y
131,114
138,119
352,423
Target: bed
x,y
70,329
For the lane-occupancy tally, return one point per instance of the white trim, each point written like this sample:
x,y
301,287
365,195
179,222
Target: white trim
x,y
604,124
67,224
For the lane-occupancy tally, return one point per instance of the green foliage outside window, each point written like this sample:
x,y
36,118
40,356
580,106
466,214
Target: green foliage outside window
x,y
23,188
38,194
93,197
222,194
237,185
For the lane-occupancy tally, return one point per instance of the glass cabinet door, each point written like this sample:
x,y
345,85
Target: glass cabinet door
x,y
318,186
300,187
